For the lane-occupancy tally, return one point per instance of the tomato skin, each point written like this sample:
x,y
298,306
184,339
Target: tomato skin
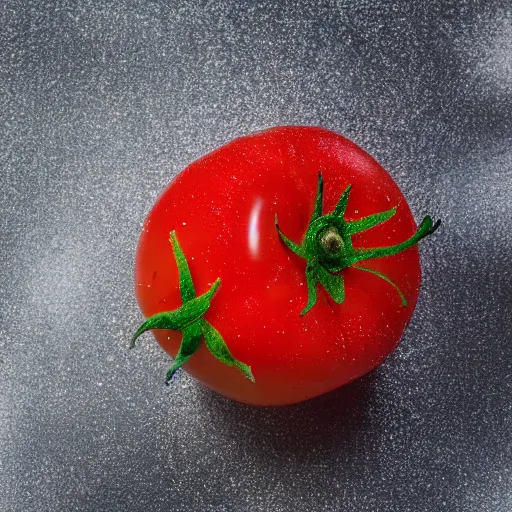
x,y
223,209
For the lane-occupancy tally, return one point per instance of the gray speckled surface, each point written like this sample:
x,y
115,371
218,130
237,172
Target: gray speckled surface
x,y
101,104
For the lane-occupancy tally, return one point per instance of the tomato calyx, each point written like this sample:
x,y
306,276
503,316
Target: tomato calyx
x,y
327,246
189,320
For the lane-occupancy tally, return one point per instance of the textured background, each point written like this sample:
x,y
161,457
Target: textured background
x,y
101,104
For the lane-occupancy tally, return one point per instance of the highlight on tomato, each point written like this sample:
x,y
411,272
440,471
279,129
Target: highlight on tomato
x,y
280,266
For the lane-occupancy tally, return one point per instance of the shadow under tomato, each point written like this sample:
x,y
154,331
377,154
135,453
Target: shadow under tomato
x,y
336,419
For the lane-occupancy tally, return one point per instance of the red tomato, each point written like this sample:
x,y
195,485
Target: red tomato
x,y
223,208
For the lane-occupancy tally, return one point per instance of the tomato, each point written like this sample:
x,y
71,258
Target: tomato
x,y
289,313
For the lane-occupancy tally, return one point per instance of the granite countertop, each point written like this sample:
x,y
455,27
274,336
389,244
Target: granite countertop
x,y
102,104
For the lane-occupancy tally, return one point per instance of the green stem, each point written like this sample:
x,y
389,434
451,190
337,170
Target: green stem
x,y
386,278
426,228
179,319
327,246
188,319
